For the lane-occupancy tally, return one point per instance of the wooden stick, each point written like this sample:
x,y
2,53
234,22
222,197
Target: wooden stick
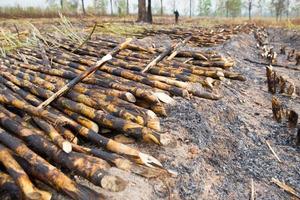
x,y
252,190
91,70
285,187
158,59
87,39
178,47
268,144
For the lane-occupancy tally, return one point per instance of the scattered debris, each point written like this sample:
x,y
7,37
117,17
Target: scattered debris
x,y
268,144
285,187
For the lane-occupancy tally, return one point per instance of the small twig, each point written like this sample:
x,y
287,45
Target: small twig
x,y
252,190
285,187
23,57
178,47
268,144
157,59
17,30
87,39
188,60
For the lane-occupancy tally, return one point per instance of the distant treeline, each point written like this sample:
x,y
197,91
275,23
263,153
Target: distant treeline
x,y
212,8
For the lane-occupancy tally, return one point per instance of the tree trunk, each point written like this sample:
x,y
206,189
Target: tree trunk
x,y
190,8
142,13
174,5
287,8
161,8
149,12
127,7
227,8
111,7
82,4
62,4
250,9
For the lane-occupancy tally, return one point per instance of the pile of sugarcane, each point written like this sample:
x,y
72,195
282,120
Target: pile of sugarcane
x,y
119,97
201,36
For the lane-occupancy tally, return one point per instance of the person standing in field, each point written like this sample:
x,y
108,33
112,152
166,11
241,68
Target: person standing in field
x,y
176,13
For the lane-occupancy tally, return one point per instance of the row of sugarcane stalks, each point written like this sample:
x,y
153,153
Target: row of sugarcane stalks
x,y
202,36
118,97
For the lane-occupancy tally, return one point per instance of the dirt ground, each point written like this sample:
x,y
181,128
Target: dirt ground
x,y
220,146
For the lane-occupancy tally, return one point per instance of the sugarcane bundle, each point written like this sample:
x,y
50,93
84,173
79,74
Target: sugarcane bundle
x,y
20,177
138,91
95,103
100,117
102,82
92,136
190,78
86,166
215,60
80,87
119,62
45,171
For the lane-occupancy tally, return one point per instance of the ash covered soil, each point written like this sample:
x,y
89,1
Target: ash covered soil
x,y
220,146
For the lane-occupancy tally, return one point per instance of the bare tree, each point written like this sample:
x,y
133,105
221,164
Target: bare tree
x,y
142,13
174,5
279,6
287,8
250,8
82,4
161,7
260,4
190,8
227,8
111,7
127,7
149,12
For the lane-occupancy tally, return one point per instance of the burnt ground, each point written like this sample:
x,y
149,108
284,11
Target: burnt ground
x,y
221,145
